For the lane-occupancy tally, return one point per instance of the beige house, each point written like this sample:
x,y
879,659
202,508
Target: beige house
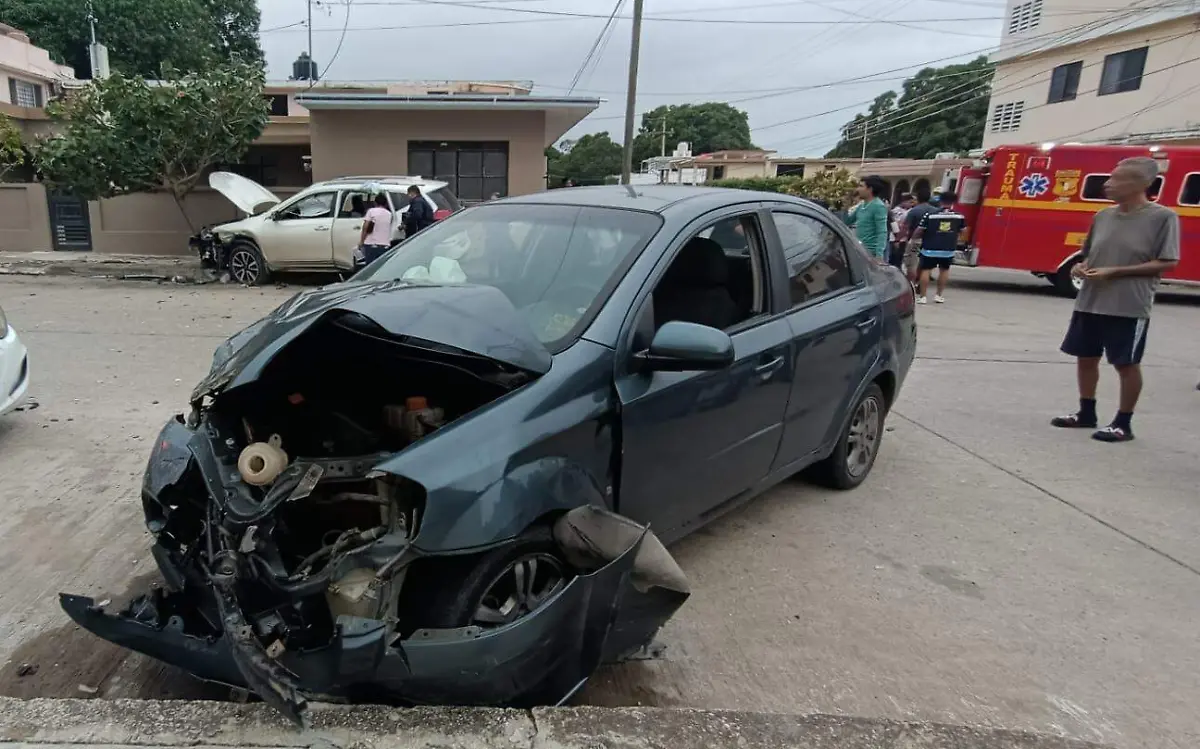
x,y
480,137
901,175
28,79
1064,74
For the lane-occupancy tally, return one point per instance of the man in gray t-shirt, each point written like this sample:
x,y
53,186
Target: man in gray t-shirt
x,y
1129,247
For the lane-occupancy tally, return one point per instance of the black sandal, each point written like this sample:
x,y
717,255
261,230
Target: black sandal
x,y
1073,421
1112,433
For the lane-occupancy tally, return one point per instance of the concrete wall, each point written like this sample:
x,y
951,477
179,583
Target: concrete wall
x,y
1164,95
376,141
24,218
151,223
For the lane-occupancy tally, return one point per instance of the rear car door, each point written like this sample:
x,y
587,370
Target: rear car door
x,y
300,233
693,440
347,226
835,318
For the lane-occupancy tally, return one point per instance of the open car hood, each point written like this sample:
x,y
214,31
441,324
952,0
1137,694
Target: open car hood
x,y
472,320
246,194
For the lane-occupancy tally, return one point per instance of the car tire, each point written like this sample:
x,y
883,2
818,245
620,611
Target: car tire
x,y
463,594
1064,283
852,459
247,265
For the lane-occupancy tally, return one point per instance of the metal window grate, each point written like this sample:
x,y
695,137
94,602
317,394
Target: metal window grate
x,y
1025,16
1007,117
26,94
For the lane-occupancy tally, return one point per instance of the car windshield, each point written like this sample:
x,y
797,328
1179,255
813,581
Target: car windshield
x,y
552,261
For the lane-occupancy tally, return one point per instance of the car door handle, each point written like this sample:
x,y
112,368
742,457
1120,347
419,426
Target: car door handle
x,y
867,324
321,228
764,371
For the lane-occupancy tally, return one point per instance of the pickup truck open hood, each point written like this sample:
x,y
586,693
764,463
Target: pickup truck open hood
x,y
246,194
473,320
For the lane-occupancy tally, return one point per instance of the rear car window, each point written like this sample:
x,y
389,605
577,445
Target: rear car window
x,y
444,199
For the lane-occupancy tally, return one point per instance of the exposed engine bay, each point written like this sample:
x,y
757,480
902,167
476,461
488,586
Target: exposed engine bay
x,y
291,558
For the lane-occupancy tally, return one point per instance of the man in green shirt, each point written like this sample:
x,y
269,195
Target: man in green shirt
x,y
870,219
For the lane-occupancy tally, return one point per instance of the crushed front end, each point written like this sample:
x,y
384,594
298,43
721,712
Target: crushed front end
x,y
292,564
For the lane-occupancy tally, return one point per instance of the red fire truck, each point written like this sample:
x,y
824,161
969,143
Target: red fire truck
x,y
1029,207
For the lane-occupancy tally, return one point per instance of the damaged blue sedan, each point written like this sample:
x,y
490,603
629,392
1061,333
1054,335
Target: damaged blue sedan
x,y
450,480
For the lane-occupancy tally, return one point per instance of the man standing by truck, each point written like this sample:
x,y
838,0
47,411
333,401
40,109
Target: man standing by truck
x,y
937,239
1128,249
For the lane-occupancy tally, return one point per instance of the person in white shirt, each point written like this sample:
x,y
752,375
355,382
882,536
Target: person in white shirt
x,y
376,235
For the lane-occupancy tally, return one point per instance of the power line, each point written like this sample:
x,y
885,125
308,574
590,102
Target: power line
x,y
336,52
1062,35
600,38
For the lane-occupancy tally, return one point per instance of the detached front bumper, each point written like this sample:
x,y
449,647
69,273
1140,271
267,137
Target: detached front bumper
x,y
543,658
625,588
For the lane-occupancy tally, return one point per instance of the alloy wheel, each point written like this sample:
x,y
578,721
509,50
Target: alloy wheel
x,y
243,266
863,439
523,586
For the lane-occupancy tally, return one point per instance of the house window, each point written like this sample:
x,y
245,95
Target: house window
x,y
1190,195
789,170
474,171
1064,82
1025,16
25,93
1123,71
279,104
718,172
1007,117
260,166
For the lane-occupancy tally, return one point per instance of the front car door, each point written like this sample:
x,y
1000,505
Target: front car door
x,y
691,441
836,319
299,234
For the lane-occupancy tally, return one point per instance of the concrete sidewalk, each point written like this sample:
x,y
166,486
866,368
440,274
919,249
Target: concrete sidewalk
x,y
175,268
149,723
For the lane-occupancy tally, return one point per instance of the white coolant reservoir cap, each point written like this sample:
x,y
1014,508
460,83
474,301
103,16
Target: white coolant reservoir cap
x,y
262,462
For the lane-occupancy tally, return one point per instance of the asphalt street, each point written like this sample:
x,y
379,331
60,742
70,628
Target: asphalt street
x,y
991,572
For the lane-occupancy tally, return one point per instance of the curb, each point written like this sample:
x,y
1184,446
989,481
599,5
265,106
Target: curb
x,y
149,723
182,270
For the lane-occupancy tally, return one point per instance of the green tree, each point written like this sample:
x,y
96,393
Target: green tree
x,y
939,109
708,127
144,37
125,134
587,161
12,150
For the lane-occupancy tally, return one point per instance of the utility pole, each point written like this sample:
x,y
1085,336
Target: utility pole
x,y
631,92
311,56
92,23
866,124
663,132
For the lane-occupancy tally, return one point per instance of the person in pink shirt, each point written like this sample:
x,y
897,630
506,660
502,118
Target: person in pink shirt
x,y
376,235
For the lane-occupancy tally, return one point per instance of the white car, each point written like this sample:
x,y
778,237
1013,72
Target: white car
x,y
14,367
317,229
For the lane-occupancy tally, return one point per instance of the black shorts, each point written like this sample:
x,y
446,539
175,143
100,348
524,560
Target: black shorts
x,y
929,263
1121,339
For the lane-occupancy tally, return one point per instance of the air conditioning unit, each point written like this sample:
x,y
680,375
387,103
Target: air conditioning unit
x,y
945,155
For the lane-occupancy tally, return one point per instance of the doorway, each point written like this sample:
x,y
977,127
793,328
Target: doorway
x,y
70,227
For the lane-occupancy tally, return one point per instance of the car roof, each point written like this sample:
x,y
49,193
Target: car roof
x,y
386,180
651,198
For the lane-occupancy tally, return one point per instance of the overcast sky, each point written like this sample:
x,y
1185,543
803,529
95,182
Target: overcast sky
x,y
734,49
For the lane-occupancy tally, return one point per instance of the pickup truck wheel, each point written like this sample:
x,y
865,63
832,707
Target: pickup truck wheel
x,y
502,585
1066,284
858,446
247,265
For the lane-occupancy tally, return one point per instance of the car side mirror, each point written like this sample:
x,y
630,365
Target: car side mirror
x,y
686,347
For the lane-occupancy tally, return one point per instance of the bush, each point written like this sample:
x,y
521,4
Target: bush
x,y
828,186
